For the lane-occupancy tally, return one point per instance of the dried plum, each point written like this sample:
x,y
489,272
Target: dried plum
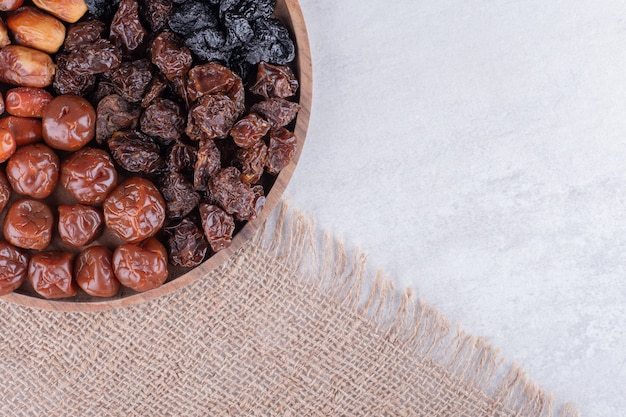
x,y
187,244
114,113
248,9
279,112
252,161
271,43
126,29
283,145
70,82
168,54
208,163
182,158
102,9
274,81
232,194
193,16
82,34
95,58
179,195
135,152
214,114
218,226
208,44
132,78
157,86
163,119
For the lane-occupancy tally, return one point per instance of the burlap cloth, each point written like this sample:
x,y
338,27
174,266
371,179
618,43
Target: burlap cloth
x,y
283,328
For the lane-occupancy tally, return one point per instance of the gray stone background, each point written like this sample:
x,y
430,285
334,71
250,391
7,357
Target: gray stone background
x,y
477,152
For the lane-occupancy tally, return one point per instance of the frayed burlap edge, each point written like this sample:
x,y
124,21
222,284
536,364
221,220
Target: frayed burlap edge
x,y
322,263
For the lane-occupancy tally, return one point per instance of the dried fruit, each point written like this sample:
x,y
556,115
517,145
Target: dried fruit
x,y
279,112
67,10
4,35
115,114
214,115
208,163
7,144
27,101
135,210
33,28
28,224
218,226
136,152
209,78
252,162
275,81
93,272
193,16
249,130
163,119
126,29
157,13
69,123
13,268
187,244
94,58
50,274
179,195
5,190
79,225
9,5
131,79
33,170
25,130
283,145
182,158
168,54
157,86
141,267
89,175
70,82
102,9
232,194
25,67
82,34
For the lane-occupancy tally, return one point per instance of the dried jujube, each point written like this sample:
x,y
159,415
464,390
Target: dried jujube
x,y
79,225
33,170
5,190
50,274
89,175
13,268
93,271
8,145
69,123
28,224
141,267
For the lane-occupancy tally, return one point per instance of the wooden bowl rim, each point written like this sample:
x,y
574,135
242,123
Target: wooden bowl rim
x,y
292,16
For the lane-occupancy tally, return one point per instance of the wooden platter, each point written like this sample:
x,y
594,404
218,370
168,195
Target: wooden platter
x,y
290,13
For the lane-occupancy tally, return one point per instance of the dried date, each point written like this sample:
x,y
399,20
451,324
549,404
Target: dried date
x,y
136,152
163,119
187,244
115,114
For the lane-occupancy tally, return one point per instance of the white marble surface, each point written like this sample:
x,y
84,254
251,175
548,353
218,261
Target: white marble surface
x,y
477,152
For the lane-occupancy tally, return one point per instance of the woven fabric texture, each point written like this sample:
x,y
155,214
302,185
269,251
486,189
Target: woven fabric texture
x,y
284,328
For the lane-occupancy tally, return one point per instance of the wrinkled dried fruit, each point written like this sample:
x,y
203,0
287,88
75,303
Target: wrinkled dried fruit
x,y
157,86
33,28
131,79
28,224
209,78
5,190
25,130
115,114
7,144
102,9
275,81
252,161
182,158
249,130
193,16
25,67
232,194
126,29
69,123
163,119
218,226
67,10
214,115
207,164
95,58
141,267
136,152
279,112
283,145
33,170
157,13
168,54
93,271
13,268
187,244
1,103
89,175
70,82
79,225
179,195
4,35
135,210
82,34
27,101
50,274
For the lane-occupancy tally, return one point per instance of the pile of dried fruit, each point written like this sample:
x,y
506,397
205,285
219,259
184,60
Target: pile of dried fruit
x,y
164,123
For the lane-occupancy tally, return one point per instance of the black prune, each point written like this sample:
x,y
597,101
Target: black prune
x,y
208,163
126,30
168,54
208,44
83,33
271,43
179,195
102,9
114,113
193,16
163,119
249,9
135,152
214,114
95,58
279,112
157,13
239,28
187,244
132,78
70,82
182,158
